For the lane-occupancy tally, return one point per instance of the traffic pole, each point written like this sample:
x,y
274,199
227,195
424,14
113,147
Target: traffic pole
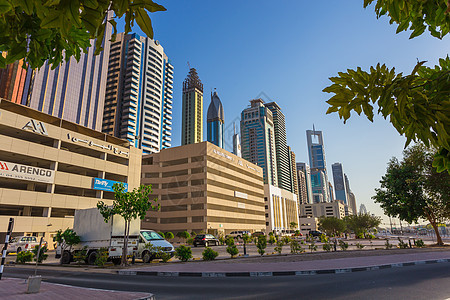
x,y
8,235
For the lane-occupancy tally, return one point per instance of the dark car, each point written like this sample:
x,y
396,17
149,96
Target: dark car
x,y
315,233
205,240
257,233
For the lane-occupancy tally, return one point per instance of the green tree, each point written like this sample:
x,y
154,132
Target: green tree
x,y
293,225
332,225
169,235
361,224
184,235
66,239
418,104
40,30
261,244
129,205
412,189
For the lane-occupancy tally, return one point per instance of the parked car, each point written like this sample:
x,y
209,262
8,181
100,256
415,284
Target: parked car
x,y
152,237
315,233
257,233
238,234
24,243
205,240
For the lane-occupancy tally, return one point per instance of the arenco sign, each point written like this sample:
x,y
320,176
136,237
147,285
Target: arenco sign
x,y
23,172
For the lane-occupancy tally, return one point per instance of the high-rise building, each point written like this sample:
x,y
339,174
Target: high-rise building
x,y
215,120
339,182
192,114
351,196
236,142
73,91
12,81
138,102
330,191
304,183
319,177
258,139
293,172
281,148
362,209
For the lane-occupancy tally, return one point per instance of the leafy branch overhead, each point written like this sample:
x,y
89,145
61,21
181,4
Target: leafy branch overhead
x,y
416,15
40,30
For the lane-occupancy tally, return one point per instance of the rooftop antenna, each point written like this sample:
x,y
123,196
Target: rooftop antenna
x,y
189,65
234,127
314,130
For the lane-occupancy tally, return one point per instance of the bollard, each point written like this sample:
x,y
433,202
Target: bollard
x,y
8,235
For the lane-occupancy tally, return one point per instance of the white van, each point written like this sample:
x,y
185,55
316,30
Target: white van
x,y
150,236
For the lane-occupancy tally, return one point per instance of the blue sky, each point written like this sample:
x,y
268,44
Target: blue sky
x,y
286,51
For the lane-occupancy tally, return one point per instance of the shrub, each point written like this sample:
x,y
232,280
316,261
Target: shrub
x,y
158,252
232,250
370,236
402,244
327,247
42,255
102,257
222,239
229,241
193,233
261,244
419,243
387,245
209,254
343,245
295,247
323,238
279,247
190,241
24,256
162,234
183,234
359,246
360,236
272,239
169,235
286,240
247,238
81,255
183,253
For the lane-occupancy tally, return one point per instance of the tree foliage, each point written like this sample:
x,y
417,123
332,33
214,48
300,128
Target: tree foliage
x,y
129,205
412,189
361,224
418,104
332,225
37,30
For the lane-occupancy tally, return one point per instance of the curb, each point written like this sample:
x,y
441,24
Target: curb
x,y
278,273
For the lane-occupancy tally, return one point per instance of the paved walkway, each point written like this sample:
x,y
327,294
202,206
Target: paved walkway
x,y
12,288
348,264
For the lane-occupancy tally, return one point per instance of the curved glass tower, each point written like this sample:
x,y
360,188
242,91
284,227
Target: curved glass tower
x,y
215,121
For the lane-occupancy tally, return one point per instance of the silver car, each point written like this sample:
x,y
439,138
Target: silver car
x,y
23,243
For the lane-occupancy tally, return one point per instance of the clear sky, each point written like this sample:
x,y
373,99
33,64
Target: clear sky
x,y
285,51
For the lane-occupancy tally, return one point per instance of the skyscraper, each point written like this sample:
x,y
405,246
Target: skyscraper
x,y
192,114
12,81
236,142
215,120
293,173
304,183
138,102
258,140
282,151
362,209
74,91
339,182
351,196
319,177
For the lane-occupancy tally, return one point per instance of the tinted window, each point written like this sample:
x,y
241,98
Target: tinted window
x,y
151,235
199,236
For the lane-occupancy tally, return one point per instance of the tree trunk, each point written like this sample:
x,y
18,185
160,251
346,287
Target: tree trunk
x,y
432,221
125,245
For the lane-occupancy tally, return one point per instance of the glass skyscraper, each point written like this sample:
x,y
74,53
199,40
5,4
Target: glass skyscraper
x,y
215,120
340,188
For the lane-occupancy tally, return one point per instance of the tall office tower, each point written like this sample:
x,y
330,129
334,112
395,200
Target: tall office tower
x,y
362,209
258,139
138,102
192,126
330,191
351,196
304,182
236,142
12,81
339,182
319,177
293,173
74,91
282,152
215,120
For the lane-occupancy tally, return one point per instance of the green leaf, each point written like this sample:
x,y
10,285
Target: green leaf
x,y
5,6
91,3
53,20
144,22
26,5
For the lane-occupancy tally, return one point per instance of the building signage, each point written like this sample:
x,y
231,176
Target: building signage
x,y
239,162
36,127
23,172
240,195
91,143
106,185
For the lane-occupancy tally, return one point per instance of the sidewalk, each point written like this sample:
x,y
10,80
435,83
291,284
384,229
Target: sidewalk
x,y
292,267
12,288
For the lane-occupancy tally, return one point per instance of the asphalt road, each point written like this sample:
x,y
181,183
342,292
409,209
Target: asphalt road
x,y
414,282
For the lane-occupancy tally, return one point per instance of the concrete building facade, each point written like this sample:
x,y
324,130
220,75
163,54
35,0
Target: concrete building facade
x,y
12,81
293,171
304,183
138,101
202,187
192,110
324,209
281,209
50,167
